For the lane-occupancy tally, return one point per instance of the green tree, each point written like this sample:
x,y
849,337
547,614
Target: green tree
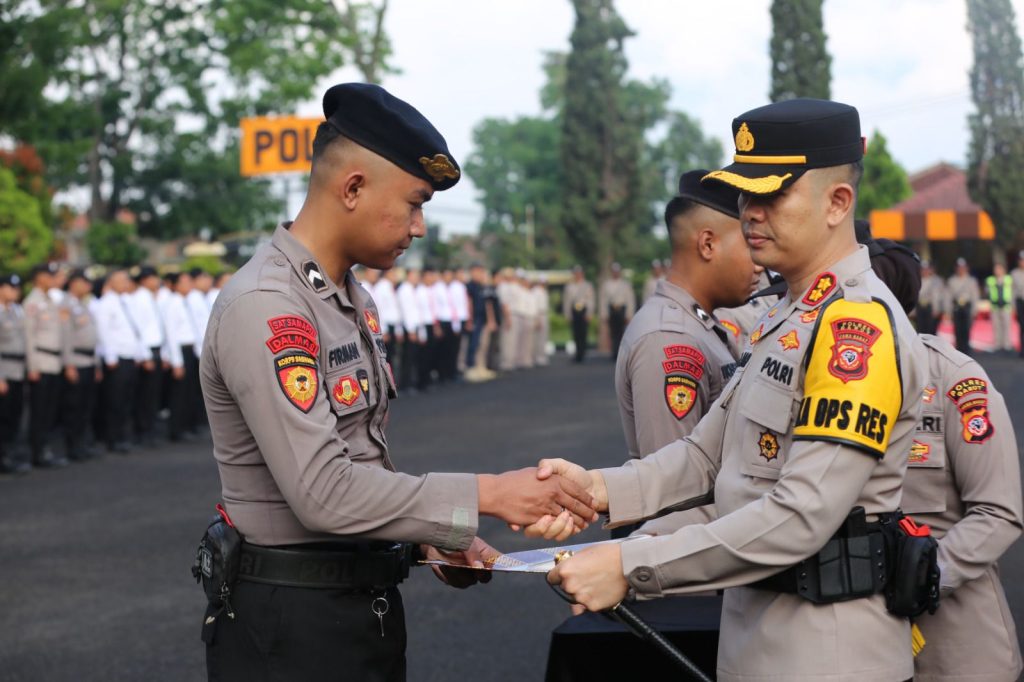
x,y
684,148
995,155
113,243
884,182
801,65
25,239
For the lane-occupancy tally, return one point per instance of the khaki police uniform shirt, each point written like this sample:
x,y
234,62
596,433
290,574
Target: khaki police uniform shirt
x,y
1018,282
43,323
578,296
818,419
673,363
297,385
963,290
79,334
12,342
963,480
933,293
617,293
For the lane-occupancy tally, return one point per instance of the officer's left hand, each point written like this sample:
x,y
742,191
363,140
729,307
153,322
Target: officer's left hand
x,y
593,577
477,554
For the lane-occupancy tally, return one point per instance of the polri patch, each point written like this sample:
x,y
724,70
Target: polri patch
x,y
966,387
822,287
297,376
853,341
292,331
346,390
978,427
680,394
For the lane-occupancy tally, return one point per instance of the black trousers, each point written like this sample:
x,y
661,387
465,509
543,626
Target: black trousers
x,y
408,370
962,327
78,402
147,397
1020,322
927,320
281,634
579,333
446,352
10,418
44,400
616,328
425,362
182,397
118,398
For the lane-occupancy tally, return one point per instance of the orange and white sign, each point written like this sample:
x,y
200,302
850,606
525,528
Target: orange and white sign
x,y
279,144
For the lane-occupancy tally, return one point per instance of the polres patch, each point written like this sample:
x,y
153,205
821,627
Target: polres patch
x,y
852,349
824,285
297,376
680,394
977,425
966,387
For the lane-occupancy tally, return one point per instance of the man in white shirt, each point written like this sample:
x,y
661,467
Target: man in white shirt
x,y
384,296
412,328
462,321
146,314
181,344
218,283
121,350
430,326
198,307
444,330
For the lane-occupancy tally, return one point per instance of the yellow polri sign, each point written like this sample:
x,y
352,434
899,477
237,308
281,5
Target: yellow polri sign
x,y
279,144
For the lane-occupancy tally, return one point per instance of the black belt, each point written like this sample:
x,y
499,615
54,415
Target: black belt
x,y
355,566
48,351
84,351
12,356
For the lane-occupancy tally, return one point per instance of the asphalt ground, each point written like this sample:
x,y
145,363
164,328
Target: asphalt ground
x,y
94,559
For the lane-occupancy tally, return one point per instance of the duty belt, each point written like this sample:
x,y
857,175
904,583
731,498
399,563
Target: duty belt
x,y
84,351
349,566
12,356
48,351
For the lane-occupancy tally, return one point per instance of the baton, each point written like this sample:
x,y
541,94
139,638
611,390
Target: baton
x,y
641,628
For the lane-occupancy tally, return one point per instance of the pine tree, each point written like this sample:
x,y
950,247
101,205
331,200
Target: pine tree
x,y
801,65
995,157
884,182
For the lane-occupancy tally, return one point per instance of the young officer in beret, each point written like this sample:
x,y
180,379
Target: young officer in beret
x,y
963,481
675,357
297,388
817,421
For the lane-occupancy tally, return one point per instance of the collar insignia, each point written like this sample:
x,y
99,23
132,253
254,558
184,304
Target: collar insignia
x,y
439,167
701,315
313,275
744,139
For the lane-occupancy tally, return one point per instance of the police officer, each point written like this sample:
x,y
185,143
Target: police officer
x,y
963,295
298,396
43,348
932,300
999,292
123,352
657,274
675,358
578,307
814,429
81,367
12,374
618,303
145,313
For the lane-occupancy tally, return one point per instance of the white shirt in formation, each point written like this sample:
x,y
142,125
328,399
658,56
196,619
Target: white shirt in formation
x,y
116,331
144,311
180,326
383,293
412,320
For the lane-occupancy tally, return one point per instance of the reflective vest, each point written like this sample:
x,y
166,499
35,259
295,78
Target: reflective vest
x,y
994,293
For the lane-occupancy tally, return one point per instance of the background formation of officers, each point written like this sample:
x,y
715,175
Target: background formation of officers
x,y
99,362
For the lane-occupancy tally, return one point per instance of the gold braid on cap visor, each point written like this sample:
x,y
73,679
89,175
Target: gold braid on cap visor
x,y
765,185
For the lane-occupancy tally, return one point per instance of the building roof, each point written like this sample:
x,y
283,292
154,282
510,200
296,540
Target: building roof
x,y
939,187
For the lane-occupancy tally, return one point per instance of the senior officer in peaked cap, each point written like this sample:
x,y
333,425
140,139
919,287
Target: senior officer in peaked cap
x,y
297,385
817,421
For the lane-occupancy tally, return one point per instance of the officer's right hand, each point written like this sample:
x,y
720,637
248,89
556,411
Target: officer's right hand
x,y
33,376
71,374
522,497
551,527
3,387
178,373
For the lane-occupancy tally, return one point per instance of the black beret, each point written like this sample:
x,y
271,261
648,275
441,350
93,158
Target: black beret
x,y
714,195
77,273
374,118
777,143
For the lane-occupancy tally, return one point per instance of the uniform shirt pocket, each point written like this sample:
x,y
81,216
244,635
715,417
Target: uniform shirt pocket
x,y
351,389
767,407
926,481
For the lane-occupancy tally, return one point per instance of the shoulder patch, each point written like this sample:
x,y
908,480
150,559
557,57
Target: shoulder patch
x,y
297,376
966,387
685,360
824,285
292,331
680,394
977,425
731,327
846,398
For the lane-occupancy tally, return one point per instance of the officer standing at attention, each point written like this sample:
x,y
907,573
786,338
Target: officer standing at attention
x,y
963,481
675,357
12,374
81,367
963,295
298,393
656,275
618,303
806,446
999,292
1018,299
122,353
145,313
43,357
578,307
932,301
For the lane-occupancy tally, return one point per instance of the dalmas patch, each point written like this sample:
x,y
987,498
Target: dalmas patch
x,y
292,331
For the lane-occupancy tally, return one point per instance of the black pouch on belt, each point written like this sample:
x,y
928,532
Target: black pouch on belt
x,y
912,555
216,563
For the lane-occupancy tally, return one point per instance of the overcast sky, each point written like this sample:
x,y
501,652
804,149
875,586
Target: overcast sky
x,y
903,63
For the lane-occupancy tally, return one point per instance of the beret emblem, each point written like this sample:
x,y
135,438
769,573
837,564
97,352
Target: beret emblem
x,y
744,139
439,167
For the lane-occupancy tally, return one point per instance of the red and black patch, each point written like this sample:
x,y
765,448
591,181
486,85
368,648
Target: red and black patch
x,y
680,394
346,391
853,341
292,331
790,341
977,424
929,394
966,387
298,379
810,316
371,321
731,328
685,360
756,336
768,444
822,287
919,452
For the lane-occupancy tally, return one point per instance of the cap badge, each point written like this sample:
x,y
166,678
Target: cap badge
x,y
744,139
439,167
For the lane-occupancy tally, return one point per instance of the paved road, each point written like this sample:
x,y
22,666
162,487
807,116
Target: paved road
x,y
94,559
